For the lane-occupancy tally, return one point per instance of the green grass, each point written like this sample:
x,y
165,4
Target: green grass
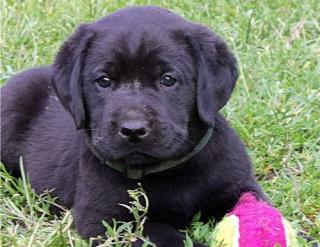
x,y
275,107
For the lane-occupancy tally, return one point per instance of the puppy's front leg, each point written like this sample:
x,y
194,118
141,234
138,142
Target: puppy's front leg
x,y
163,235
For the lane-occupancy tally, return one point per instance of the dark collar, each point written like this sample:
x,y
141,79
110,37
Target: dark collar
x,y
137,172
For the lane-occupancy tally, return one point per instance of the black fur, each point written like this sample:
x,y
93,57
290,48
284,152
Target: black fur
x,y
42,109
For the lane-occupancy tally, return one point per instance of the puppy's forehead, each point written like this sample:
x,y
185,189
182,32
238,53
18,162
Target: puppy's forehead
x,y
133,26
139,46
141,37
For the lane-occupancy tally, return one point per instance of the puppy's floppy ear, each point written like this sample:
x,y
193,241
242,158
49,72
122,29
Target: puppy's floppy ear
x,y
67,73
217,72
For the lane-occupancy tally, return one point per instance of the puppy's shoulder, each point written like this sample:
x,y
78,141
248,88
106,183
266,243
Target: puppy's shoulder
x,y
227,146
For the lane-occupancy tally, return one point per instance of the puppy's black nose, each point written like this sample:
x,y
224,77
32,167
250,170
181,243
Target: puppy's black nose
x,y
134,130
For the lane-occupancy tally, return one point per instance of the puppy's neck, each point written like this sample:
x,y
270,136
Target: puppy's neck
x,y
138,172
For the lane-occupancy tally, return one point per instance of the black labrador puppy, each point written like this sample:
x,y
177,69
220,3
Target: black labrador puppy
x,y
133,97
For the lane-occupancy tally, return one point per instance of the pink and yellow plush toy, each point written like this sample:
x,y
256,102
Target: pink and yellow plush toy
x,y
254,223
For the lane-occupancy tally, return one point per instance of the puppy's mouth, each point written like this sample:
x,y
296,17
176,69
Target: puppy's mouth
x,y
139,158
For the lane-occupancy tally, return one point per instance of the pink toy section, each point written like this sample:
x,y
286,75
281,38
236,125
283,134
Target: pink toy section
x,y
259,223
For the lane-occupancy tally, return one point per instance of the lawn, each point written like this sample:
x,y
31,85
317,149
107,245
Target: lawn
x,y
275,107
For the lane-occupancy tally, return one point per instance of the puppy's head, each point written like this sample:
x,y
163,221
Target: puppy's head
x,y
144,83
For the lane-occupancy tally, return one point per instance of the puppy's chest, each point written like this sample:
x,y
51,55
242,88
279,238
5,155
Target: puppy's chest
x,y
170,201
173,204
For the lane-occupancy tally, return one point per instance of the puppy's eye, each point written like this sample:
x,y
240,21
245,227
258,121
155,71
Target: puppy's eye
x,y
104,81
168,81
